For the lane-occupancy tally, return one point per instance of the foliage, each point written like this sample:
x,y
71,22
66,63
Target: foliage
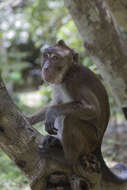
x,y
10,176
26,31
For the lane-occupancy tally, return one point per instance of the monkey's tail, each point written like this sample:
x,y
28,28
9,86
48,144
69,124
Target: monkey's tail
x,y
108,175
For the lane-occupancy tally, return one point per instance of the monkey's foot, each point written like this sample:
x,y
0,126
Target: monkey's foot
x,y
51,142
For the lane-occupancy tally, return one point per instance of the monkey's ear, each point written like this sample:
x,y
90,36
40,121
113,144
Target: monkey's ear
x,y
61,43
75,57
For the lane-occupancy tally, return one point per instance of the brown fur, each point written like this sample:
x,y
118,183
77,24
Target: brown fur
x,y
80,102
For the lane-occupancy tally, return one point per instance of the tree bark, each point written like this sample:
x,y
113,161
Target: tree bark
x,y
103,42
118,10
23,144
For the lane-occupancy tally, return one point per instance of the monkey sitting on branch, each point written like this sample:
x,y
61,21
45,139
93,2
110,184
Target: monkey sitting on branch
x,y
79,112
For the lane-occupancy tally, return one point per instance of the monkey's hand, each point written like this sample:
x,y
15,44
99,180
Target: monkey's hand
x,y
49,122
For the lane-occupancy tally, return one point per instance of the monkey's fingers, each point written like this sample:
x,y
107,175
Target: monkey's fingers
x,y
49,127
53,129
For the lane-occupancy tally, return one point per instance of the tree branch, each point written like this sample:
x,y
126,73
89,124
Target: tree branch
x,y
103,43
24,145
118,9
17,138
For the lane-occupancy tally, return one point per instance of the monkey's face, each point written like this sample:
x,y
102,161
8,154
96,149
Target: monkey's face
x,y
56,62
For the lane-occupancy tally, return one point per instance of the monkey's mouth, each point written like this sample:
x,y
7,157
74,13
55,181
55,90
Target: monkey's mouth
x,y
52,79
48,77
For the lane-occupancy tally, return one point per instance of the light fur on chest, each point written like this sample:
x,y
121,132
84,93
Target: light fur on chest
x,y
64,97
61,94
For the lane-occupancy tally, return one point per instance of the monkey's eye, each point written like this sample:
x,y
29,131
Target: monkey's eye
x,y
55,57
45,55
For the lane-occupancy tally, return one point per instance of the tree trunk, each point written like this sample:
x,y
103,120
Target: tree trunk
x,y
101,36
118,11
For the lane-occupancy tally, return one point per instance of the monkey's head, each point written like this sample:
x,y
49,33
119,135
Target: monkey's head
x,y
57,60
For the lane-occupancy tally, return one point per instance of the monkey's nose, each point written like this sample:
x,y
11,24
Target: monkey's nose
x,y
46,69
46,66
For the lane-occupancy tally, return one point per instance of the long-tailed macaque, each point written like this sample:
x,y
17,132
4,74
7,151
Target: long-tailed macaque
x,y
79,112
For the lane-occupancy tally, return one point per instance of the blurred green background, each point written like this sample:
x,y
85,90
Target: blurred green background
x,y
26,28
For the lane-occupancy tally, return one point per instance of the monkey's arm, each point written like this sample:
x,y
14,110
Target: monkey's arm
x,y
81,110
38,117
51,112
78,109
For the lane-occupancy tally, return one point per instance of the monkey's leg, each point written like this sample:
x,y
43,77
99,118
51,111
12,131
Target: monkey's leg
x,y
51,142
78,137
